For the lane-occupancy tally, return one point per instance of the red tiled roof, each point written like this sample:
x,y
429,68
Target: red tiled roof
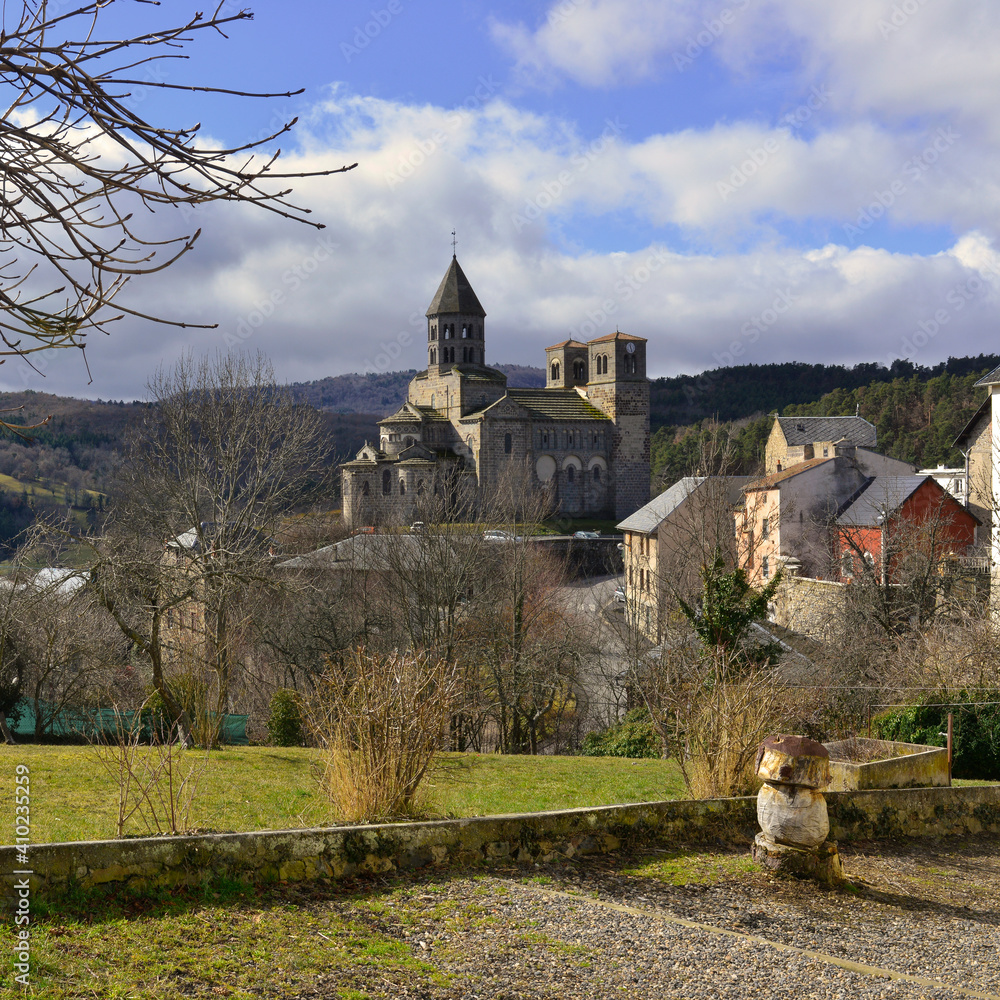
x,y
768,482
565,343
617,335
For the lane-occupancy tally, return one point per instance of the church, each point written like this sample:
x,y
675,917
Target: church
x,y
584,437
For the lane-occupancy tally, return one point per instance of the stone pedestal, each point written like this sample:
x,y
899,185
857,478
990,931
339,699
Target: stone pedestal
x,y
792,811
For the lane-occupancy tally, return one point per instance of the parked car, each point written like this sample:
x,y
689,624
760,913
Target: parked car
x,y
586,534
620,595
367,530
497,535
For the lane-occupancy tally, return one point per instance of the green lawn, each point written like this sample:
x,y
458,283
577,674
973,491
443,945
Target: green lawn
x,y
262,788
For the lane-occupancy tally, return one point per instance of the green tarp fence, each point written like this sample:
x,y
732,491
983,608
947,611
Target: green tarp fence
x,y
91,723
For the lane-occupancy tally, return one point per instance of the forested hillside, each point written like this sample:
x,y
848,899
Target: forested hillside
x,y
383,393
917,419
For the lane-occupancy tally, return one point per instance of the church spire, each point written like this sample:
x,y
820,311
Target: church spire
x,y
455,314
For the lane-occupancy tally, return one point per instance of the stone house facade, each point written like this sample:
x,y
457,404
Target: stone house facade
x,y
584,437
667,541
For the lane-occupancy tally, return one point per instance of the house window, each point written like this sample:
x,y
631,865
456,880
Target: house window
x,y
765,528
765,569
826,452
508,444
386,482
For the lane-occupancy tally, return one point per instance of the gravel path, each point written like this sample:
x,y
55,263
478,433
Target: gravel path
x,y
619,926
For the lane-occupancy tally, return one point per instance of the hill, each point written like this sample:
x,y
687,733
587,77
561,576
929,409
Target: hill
x,y
384,392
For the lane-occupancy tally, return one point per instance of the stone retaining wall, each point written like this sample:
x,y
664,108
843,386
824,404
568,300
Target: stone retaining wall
x,y
342,851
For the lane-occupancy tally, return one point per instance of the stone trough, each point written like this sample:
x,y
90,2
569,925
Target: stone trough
x,y
860,763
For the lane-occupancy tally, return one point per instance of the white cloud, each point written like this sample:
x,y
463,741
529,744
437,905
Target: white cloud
x,y
598,42
338,301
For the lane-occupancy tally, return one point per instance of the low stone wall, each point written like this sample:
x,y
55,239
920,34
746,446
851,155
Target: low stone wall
x,y
343,851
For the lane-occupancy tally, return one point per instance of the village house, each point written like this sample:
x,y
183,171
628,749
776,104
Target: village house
x,y
900,520
667,541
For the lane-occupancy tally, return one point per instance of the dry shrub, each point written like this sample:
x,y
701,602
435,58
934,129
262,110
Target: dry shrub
x,y
713,714
154,789
379,720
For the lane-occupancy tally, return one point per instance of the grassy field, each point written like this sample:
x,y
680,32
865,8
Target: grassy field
x,y
266,788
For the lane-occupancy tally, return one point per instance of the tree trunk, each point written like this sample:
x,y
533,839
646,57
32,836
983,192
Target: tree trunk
x,y
7,738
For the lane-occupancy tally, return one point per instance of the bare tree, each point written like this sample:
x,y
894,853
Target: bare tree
x,y
84,174
223,456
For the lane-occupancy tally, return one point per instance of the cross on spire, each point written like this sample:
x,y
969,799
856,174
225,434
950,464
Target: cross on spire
x,y
454,243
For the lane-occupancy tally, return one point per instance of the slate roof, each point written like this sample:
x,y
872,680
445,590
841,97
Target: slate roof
x,y
455,294
806,430
648,518
883,496
991,379
365,552
555,404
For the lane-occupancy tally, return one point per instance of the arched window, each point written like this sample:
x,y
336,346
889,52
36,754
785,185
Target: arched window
x,y
365,491
433,360
465,350
508,444
579,371
386,482
402,487
597,473
555,371
434,333
420,487
570,475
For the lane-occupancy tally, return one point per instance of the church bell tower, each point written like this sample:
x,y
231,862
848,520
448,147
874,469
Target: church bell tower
x,y
455,324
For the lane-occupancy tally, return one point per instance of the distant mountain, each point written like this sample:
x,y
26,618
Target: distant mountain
x,y
384,392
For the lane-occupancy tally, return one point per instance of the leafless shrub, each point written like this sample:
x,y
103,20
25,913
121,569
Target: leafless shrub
x,y
713,715
154,787
379,720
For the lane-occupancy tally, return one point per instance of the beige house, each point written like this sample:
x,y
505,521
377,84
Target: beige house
x,y
976,444
786,518
584,438
802,439
667,541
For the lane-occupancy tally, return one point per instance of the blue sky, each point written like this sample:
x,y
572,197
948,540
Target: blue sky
x,y
739,181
